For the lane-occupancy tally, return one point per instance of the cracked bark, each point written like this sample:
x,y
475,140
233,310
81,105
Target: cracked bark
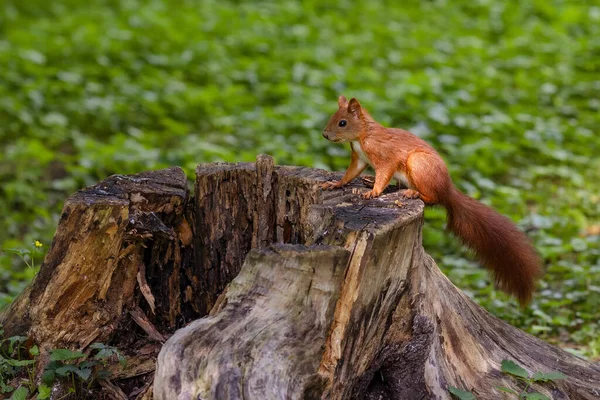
x,y
340,301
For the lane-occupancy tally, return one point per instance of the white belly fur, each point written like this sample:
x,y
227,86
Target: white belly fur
x,y
361,154
402,179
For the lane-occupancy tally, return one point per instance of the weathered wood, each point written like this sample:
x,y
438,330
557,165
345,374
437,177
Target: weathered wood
x,y
225,203
440,338
119,244
89,275
374,277
113,391
281,290
479,341
284,298
399,328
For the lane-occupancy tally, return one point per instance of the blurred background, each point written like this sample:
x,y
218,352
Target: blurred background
x,y
507,91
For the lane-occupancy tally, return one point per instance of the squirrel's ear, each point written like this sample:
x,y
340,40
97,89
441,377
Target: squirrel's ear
x,y
342,101
354,107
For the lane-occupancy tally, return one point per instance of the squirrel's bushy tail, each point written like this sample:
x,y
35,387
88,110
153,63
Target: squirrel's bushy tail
x,y
497,242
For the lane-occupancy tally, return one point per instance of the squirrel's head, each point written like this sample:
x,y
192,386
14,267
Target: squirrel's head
x,y
348,122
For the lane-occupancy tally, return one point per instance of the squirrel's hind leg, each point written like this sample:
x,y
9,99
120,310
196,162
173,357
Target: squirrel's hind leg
x,y
428,175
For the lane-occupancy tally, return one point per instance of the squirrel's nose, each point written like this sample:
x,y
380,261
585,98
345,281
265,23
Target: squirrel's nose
x,y
325,135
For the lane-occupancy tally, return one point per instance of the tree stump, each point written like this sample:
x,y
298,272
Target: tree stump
x,y
261,286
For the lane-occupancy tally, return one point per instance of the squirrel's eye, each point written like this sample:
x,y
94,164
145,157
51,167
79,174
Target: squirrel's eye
x,y
342,123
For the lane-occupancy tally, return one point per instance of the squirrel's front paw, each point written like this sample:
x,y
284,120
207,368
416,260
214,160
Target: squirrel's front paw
x,y
371,194
331,185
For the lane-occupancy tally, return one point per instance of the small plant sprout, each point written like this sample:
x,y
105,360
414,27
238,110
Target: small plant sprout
x,y
28,255
511,368
461,394
19,357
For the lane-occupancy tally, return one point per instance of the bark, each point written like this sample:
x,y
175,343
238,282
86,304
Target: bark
x,y
106,233
263,286
390,326
118,244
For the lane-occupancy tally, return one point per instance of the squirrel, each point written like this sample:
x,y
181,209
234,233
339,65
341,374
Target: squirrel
x,y
395,153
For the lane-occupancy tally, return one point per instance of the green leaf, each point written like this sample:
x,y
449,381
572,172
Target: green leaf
x,y
507,390
510,367
44,392
20,394
578,244
65,370
535,396
548,376
83,373
15,340
5,388
19,363
49,376
461,394
104,354
97,346
122,360
107,352
87,364
34,350
103,374
65,354
19,252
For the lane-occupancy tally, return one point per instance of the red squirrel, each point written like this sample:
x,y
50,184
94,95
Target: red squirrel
x,y
395,153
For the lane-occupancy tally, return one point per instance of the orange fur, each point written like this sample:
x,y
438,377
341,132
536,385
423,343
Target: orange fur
x,y
395,153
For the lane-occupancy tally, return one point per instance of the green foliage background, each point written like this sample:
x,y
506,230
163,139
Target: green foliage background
x,y
507,91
